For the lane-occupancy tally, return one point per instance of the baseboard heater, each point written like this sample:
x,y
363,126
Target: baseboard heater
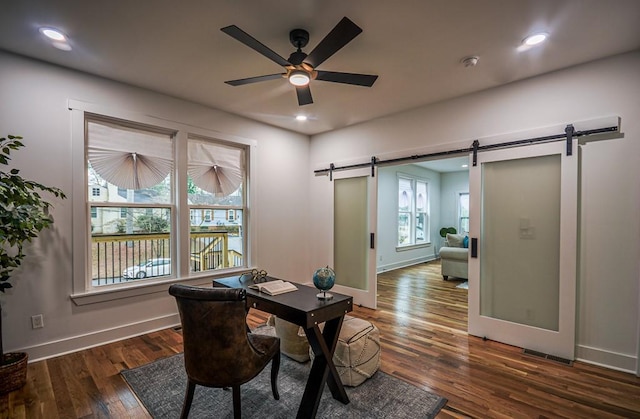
x,y
547,356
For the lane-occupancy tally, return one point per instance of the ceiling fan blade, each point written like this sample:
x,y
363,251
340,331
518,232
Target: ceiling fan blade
x,y
347,78
339,36
257,79
304,95
240,35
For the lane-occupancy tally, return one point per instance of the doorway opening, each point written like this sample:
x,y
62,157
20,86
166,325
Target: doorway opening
x,y
416,201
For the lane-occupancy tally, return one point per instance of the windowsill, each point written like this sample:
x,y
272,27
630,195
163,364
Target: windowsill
x,y
96,296
412,247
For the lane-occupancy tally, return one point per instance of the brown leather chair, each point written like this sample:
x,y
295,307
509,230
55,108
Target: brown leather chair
x,y
218,350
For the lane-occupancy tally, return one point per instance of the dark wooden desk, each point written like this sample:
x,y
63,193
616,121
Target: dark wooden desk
x,y
303,308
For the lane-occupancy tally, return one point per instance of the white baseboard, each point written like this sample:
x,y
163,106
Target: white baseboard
x,y
100,337
607,359
404,263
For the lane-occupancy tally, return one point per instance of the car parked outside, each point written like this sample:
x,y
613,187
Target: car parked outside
x,y
152,267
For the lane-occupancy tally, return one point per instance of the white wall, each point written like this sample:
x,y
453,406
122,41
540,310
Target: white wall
x,y
610,204
34,105
388,256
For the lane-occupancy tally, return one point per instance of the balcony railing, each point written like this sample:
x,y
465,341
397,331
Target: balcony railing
x,y
122,257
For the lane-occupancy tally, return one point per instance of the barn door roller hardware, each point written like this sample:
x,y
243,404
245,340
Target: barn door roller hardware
x,y
569,134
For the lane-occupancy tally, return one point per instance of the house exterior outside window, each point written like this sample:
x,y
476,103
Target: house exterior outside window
x,y
413,211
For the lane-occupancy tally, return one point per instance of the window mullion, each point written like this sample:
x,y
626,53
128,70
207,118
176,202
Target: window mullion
x,y
412,209
182,220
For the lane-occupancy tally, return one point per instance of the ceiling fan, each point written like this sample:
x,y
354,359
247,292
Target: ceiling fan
x,y
300,68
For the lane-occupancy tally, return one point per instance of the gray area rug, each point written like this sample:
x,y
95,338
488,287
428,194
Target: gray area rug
x,y
161,385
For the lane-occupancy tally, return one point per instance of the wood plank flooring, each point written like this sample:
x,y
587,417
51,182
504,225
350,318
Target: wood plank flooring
x,y
422,321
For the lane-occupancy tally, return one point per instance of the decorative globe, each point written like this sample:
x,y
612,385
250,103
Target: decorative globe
x,y
324,279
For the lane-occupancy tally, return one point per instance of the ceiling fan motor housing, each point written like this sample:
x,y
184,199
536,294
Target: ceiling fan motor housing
x,y
296,58
299,38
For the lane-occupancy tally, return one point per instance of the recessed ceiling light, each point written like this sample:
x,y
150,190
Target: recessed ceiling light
x,y
62,46
53,34
535,39
57,38
301,117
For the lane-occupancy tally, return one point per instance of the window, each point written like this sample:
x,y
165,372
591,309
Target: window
x,y
95,191
216,176
413,211
463,212
133,166
135,221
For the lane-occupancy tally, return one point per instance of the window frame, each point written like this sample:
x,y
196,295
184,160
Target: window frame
x,y
413,212
82,292
459,208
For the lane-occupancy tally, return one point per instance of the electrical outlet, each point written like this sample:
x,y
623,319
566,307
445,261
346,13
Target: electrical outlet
x,y
37,321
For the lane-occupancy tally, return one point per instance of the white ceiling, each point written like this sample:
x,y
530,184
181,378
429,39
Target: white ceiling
x,y
447,165
415,46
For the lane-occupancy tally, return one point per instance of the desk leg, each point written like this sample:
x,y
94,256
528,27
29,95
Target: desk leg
x,y
322,370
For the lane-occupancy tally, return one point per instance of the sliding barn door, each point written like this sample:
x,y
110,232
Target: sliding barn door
x,y
522,265
354,254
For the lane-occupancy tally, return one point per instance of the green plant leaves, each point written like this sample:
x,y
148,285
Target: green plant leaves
x,y
23,212
445,230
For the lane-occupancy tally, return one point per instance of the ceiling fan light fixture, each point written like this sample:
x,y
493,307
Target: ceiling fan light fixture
x,y
299,78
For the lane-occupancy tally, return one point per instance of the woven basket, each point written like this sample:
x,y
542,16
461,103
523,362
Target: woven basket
x,y
13,374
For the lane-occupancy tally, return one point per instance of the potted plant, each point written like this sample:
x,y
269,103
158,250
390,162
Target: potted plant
x,y
23,215
445,230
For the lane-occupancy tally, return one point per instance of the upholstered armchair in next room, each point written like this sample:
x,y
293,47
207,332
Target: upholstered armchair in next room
x,y
454,256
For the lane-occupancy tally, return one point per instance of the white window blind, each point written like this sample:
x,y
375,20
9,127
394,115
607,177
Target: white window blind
x,y
127,157
216,168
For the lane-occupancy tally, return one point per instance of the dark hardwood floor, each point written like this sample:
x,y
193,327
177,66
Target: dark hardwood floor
x,y
422,321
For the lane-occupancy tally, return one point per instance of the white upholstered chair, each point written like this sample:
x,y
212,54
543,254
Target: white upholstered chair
x,y
454,257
